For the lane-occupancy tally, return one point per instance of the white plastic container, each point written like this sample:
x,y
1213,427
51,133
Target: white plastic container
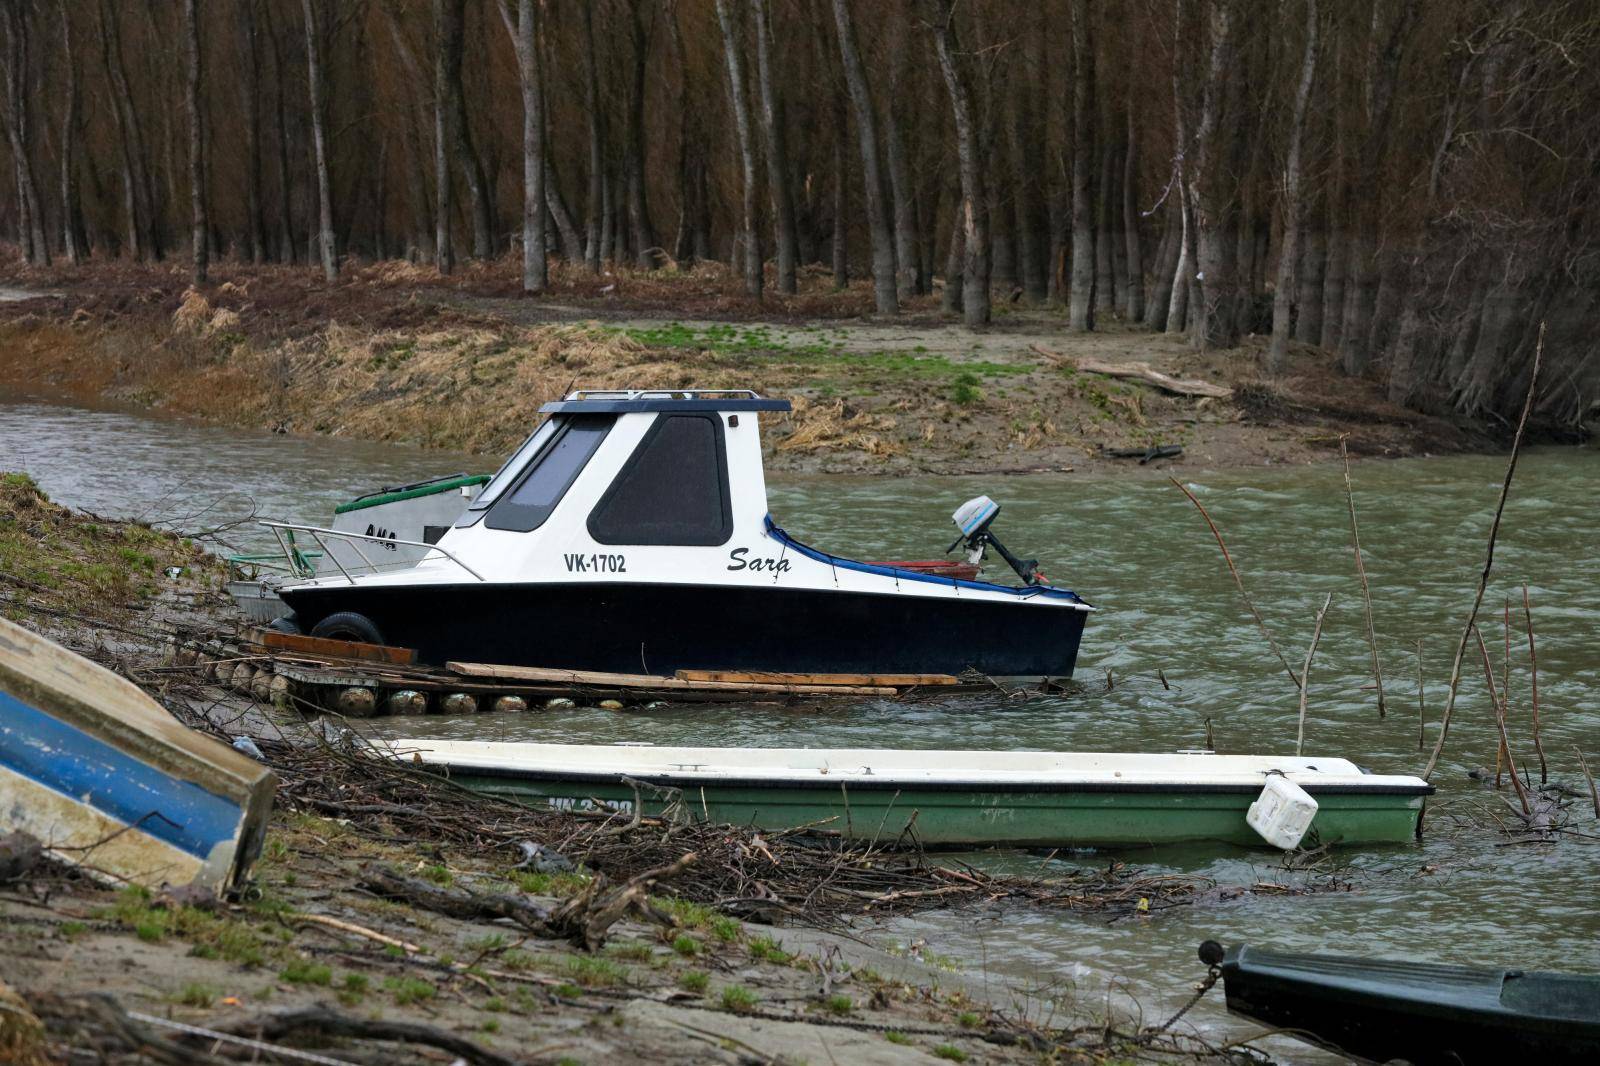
x,y
1282,813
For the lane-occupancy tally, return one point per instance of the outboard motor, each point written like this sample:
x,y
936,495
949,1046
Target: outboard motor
x,y
974,518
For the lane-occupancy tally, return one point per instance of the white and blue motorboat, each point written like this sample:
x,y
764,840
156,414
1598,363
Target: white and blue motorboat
x,y
630,533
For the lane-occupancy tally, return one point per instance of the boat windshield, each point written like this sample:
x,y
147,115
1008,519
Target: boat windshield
x,y
513,466
532,498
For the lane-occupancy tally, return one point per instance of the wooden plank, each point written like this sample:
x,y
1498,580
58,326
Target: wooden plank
x,y
645,681
336,649
762,677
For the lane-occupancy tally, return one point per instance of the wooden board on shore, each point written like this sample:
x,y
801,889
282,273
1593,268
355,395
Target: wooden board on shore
x,y
646,681
325,647
765,677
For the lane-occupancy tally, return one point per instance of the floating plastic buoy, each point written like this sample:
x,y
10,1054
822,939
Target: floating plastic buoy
x,y
1282,813
510,705
461,703
356,702
406,701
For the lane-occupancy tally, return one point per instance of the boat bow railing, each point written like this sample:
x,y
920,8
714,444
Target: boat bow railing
x,y
296,558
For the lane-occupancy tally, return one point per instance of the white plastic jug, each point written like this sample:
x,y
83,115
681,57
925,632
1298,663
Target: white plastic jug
x,y
1282,813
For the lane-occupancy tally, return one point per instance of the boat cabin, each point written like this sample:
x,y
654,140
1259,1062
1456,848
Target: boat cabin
x,y
638,519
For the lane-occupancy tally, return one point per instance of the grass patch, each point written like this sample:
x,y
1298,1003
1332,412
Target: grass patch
x,y
197,995
839,1004
302,971
686,945
696,981
951,1052
768,950
596,973
895,1036
739,998
968,1020
409,990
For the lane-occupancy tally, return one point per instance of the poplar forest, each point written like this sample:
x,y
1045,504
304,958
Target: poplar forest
x,y
1406,185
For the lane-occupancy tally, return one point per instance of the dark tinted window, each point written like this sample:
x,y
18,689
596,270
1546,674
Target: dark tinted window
x,y
528,503
673,490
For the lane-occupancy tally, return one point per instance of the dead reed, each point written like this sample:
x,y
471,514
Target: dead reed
x,y
1488,562
1361,572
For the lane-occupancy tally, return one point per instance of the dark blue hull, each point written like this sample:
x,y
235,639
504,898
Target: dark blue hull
x,y
659,629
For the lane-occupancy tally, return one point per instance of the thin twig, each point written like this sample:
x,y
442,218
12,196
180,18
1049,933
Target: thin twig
x,y
1422,709
1533,663
1237,580
1594,796
1488,562
1500,722
1361,572
1305,675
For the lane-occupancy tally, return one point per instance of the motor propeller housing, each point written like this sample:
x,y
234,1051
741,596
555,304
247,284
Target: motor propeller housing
x,y
974,518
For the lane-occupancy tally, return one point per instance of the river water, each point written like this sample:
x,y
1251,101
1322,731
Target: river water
x,y
1137,549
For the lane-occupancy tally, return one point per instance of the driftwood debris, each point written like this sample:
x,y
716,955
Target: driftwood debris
x,y
325,1021
653,683
1139,372
585,919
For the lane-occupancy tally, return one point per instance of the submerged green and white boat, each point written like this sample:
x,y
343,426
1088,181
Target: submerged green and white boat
x,y
948,798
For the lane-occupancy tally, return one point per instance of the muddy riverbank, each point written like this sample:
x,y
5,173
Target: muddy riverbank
x,y
316,955
391,353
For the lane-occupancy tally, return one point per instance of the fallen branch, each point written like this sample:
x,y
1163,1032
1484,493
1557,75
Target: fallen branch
x,y
1533,663
460,903
1239,581
1500,722
1488,563
1594,796
325,1021
1361,572
1137,371
1305,675
588,916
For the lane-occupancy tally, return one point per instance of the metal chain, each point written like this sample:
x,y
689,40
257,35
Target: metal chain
x,y
1199,993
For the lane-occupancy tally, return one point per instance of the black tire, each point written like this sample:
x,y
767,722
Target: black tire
x,y
348,625
287,624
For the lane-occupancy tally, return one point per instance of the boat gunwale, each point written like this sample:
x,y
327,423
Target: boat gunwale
x,y
887,782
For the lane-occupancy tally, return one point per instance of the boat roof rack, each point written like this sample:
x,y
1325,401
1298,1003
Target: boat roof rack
x,y
632,401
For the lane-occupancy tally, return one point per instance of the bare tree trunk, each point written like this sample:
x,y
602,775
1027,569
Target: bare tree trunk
x,y
902,187
1289,253
1166,263
31,226
778,178
594,213
1313,259
1106,210
280,81
950,301
453,134
972,210
1133,276
749,252
572,246
645,245
1335,268
608,233
250,104
72,245
1361,287
197,144
524,31
1183,275
330,262
415,163
841,192
855,76
1081,297
1214,191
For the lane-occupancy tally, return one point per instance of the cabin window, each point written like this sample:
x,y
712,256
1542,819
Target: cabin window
x,y
530,500
673,489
